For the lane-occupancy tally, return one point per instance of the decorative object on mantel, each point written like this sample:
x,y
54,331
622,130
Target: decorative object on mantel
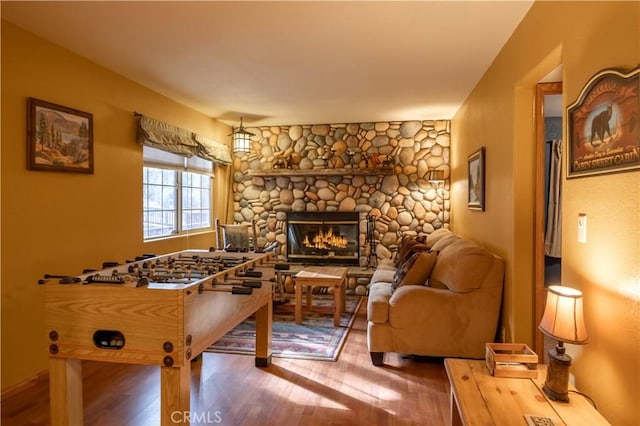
x,y
351,153
332,160
279,171
387,162
476,180
604,125
374,160
563,321
282,162
59,138
241,140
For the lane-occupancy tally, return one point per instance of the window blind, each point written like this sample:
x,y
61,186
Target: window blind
x,y
157,158
219,152
175,140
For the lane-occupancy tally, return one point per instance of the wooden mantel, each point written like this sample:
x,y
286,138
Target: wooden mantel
x,y
380,171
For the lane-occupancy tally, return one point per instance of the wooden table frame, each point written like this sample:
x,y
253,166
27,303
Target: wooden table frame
x,y
65,378
166,327
477,398
321,276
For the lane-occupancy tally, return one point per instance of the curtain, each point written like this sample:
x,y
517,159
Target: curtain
x,y
553,233
166,137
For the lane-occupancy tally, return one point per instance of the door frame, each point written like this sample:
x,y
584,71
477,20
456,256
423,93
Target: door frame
x,y
539,296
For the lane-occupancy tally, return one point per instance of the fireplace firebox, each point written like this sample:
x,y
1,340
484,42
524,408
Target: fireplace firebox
x,y
323,237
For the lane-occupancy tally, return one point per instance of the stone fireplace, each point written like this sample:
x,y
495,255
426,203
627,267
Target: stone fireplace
x,y
328,169
323,237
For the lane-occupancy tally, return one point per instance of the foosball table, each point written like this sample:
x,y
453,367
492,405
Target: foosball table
x,y
158,310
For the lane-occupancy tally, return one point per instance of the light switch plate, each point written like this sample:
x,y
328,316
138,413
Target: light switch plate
x,y
582,228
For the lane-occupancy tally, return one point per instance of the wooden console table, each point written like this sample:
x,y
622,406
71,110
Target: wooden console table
x,y
477,398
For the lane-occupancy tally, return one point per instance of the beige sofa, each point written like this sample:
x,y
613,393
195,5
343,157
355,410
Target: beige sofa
x,y
449,307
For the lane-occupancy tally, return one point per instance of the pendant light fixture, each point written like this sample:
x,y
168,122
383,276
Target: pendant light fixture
x,y
241,140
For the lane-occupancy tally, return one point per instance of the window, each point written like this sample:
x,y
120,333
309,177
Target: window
x,y
196,201
160,194
175,201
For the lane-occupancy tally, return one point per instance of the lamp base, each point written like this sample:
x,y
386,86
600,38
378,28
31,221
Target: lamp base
x,y
556,386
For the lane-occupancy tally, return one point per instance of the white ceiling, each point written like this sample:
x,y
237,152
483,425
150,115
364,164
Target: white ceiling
x,y
288,62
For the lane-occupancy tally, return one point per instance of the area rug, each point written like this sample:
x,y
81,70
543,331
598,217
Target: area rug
x,y
316,338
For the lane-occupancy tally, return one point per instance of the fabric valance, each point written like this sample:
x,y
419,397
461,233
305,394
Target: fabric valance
x,y
218,151
166,137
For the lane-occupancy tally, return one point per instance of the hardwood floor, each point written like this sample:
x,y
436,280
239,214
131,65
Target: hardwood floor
x,y
229,390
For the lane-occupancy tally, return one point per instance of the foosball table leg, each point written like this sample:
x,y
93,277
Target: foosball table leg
x,y
175,387
264,318
65,391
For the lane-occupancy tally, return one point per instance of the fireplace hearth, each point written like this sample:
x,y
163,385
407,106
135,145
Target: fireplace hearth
x,y
323,237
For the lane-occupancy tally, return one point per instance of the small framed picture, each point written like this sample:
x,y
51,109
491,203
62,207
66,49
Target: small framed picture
x,y
476,180
59,138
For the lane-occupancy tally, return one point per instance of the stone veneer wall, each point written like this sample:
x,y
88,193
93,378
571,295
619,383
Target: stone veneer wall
x,y
404,203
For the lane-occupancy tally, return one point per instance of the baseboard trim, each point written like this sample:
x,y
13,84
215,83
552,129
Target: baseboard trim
x,y
39,379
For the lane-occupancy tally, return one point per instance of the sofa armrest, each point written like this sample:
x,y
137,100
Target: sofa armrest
x,y
383,276
378,303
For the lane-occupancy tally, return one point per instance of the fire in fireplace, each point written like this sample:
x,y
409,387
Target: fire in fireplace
x,y
323,237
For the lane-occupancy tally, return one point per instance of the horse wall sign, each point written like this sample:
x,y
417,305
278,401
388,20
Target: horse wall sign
x,y
604,125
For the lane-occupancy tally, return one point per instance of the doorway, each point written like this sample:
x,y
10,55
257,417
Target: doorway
x,y
548,260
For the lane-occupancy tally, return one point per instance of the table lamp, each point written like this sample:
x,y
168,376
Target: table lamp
x,y
563,321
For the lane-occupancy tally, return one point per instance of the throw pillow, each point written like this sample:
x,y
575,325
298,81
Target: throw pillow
x,y
420,269
401,271
415,248
403,247
416,270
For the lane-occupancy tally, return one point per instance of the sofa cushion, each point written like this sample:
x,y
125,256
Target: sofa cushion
x,y
436,236
444,241
462,266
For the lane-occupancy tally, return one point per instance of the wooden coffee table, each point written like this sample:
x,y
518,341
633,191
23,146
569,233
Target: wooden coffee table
x,y
321,276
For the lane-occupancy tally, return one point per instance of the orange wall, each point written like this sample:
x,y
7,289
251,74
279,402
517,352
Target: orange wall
x,y
62,223
583,37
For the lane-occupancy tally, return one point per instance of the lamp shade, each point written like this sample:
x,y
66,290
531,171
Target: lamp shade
x,y
563,317
435,176
241,142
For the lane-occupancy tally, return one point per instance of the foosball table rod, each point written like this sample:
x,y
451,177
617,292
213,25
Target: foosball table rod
x,y
232,290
